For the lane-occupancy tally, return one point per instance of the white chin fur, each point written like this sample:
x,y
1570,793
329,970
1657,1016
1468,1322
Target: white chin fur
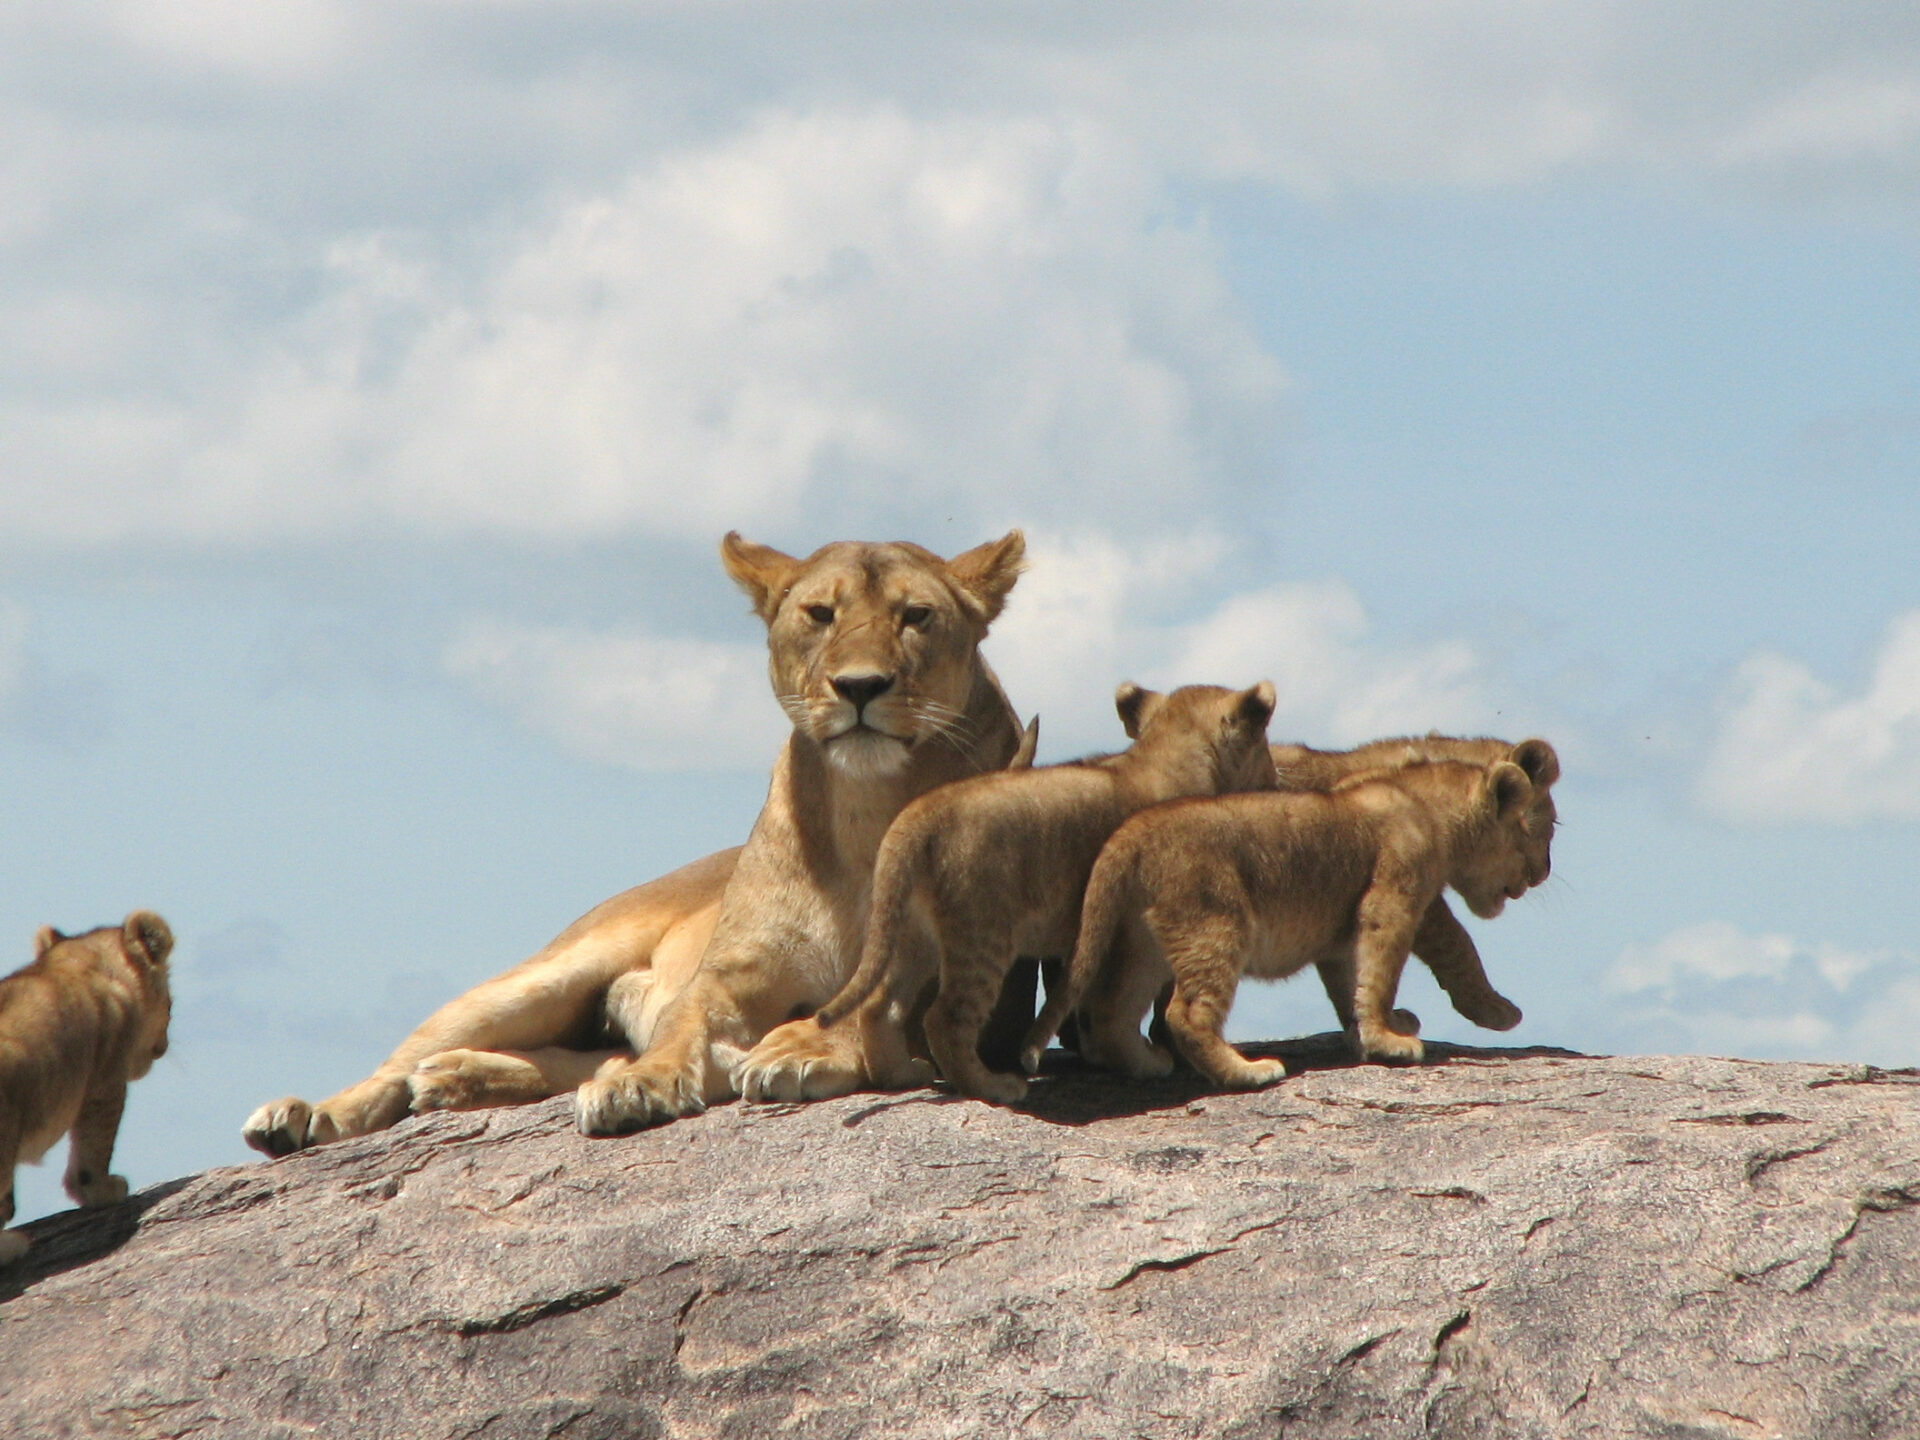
x,y
867,755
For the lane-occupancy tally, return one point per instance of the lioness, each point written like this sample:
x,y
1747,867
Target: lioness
x,y
873,651
86,1017
1209,890
1442,942
995,866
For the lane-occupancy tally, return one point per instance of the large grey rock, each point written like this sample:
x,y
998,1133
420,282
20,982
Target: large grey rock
x,y
1500,1243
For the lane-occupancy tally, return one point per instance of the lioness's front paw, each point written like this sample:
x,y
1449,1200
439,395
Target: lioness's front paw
x,y
280,1128
102,1190
632,1098
449,1080
13,1244
800,1060
997,1086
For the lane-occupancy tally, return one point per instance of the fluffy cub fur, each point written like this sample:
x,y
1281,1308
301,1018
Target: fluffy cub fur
x,y
87,1016
1264,884
1442,942
995,866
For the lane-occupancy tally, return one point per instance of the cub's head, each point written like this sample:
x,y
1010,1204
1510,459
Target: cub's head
x,y
872,649
140,945
1224,730
1517,852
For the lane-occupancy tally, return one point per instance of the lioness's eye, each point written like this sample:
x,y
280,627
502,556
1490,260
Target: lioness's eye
x,y
820,614
916,615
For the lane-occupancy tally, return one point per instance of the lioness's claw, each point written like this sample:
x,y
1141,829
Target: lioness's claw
x,y
622,1103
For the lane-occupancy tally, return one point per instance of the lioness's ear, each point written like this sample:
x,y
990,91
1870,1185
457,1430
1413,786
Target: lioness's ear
x,y
1134,705
1536,757
1508,787
760,570
44,939
1256,705
147,936
985,574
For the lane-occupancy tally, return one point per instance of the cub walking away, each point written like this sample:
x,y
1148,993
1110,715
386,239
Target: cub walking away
x,y
1262,885
986,868
87,1016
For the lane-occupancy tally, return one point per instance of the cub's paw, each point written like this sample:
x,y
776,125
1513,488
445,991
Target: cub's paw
x,y
801,1060
1390,1047
13,1244
1258,1074
633,1098
1493,1012
280,1128
98,1190
997,1086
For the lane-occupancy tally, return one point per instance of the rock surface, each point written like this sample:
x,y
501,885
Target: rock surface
x,y
1500,1243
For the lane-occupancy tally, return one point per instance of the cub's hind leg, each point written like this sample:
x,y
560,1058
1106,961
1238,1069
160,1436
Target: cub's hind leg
x,y
1207,958
1127,986
12,1243
972,970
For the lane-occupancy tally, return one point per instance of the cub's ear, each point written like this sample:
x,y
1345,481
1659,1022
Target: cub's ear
x,y
147,936
1256,705
1508,787
1135,705
44,939
1536,757
760,570
985,574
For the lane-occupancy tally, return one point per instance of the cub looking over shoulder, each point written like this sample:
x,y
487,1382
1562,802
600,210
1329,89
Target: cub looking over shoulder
x,y
87,1016
1262,885
993,866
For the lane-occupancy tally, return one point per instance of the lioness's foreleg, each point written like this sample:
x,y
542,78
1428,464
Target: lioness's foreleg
x,y
483,1079
1443,943
90,1146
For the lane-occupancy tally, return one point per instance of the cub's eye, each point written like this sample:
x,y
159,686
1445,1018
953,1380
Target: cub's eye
x,y
820,614
916,616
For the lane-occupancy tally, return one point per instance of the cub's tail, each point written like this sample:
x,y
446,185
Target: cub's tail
x,y
1109,890
895,873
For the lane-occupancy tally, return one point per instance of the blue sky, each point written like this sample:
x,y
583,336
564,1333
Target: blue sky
x,y
380,379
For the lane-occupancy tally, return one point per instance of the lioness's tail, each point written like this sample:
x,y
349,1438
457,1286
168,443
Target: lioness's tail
x,y
1109,892
896,870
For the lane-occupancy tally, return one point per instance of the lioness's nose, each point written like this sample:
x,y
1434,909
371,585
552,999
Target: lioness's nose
x,y
857,690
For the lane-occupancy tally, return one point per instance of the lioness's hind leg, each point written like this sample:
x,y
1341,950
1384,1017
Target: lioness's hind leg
x,y
483,1079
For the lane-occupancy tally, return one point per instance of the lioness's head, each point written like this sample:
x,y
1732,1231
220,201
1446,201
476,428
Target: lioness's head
x,y
872,648
1518,853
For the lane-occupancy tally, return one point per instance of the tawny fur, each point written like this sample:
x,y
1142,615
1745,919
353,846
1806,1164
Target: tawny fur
x,y
648,1002
1441,942
989,868
1205,891
85,1018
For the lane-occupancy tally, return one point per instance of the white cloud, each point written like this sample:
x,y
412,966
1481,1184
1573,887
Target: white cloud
x,y
823,317
1089,614
626,698
1791,747
1714,988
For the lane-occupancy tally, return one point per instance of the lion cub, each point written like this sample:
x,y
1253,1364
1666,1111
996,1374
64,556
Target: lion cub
x,y
985,868
1263,885
88,1015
